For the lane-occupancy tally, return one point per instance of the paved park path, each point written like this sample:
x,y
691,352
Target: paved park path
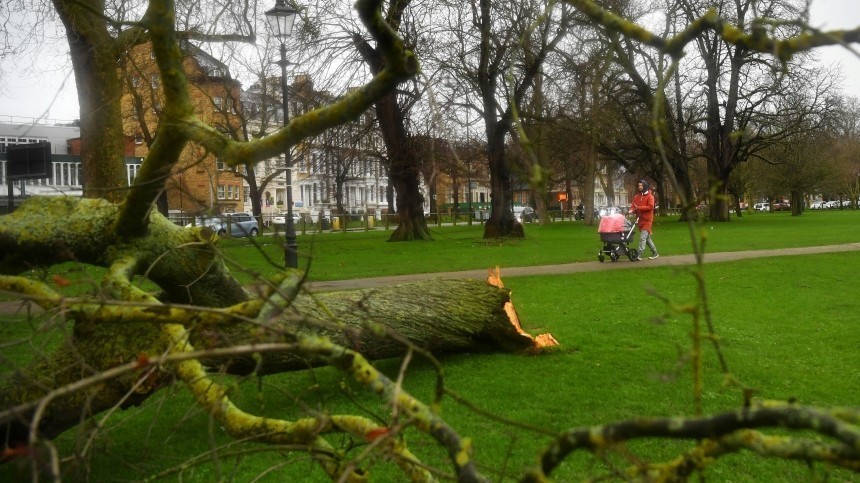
x,y
558,269
578,267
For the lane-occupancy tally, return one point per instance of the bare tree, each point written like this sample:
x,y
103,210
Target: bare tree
x,y
494,52
392,112
740,85
343,52
253,116
844,151
343,155
658,133
96,49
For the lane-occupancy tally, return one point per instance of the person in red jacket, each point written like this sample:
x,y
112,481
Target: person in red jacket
x,y
643,207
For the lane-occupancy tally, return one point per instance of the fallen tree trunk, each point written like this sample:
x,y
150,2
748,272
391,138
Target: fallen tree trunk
x,y
438,316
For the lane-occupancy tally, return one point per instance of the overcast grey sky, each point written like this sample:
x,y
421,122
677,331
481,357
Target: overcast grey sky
x,y
53,95
839,15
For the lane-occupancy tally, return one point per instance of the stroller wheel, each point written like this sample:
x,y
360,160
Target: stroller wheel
x,y
632,254
613,256
601,257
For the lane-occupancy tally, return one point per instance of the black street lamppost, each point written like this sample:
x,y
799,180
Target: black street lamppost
x,y
469,162
281,19
469,176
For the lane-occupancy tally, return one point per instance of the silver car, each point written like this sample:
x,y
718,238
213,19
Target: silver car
x,y
281,218
524,214
237,224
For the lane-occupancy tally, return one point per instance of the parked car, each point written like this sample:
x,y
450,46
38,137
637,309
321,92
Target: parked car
x,y
818,205
833,204
606,210
281,219
524,214
781,206
237,224
761,207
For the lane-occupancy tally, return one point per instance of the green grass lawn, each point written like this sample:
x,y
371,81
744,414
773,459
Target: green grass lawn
x,y
787,327
339,255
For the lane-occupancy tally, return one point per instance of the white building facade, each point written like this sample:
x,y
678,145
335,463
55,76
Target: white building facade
x,y
66,175
347,155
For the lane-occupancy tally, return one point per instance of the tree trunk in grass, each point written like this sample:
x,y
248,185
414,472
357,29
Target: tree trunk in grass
x,y
404,166
439,316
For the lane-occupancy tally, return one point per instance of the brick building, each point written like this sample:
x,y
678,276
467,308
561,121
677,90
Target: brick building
x,y
200,182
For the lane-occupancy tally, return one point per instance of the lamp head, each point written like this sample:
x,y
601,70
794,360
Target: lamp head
x,y
281,19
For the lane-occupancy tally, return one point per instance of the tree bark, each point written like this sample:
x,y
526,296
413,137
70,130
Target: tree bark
x,y
502,222
796,203
404,166
438,316
404,171
95,55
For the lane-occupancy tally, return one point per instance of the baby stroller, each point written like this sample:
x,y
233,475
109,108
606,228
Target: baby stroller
x,y
616,232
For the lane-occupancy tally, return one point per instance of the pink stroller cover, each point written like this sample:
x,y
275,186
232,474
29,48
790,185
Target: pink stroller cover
x,y
613,223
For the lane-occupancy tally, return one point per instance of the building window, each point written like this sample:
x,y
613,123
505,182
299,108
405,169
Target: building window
x,y
153,81
5,142
220,165
229,192
133,170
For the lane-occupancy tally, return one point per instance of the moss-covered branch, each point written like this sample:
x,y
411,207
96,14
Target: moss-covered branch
x,y
784,447
170,138
726,431
400,65
178,123
756,40
47,418
46,231
351,362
